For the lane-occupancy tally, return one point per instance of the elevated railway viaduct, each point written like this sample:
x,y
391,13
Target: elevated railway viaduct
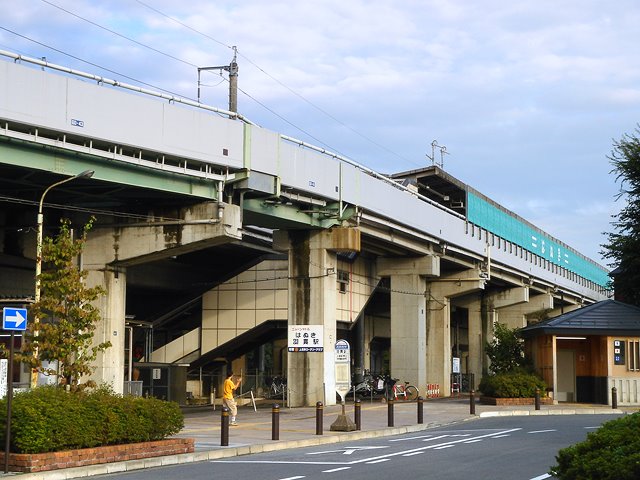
x,y
213,235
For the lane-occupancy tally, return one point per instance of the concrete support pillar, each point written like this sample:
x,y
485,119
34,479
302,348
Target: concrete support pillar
x,y
409,315
440,293
409,330
112,307
500,307
473,304
312,301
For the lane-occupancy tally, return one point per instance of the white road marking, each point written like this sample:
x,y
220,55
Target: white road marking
x,y
542,477
379,461
347,450
591,427
500,436
410,438
280,462
412,454
385,457
543,431
336,469
435,438
447,446
428,438
293,478
475,441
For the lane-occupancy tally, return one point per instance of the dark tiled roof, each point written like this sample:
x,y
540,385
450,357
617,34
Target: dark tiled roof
x,y
603,318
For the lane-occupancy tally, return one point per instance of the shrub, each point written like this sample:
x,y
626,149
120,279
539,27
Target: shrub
x,y
506,350
611,452
517,384
50,419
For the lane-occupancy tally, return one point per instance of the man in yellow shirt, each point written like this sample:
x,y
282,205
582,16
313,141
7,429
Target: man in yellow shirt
x,y
227,396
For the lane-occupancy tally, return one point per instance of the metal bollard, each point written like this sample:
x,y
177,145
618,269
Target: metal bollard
x,y
319,409
537,399
275,422
420,410
472,402
614,398
357,413
224,427
390,413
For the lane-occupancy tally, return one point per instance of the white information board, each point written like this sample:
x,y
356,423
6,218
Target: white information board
x,y
455,367
306,338
4,367
343,368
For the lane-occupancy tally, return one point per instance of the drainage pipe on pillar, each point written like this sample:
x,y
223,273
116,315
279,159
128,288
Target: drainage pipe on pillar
x,y
358,349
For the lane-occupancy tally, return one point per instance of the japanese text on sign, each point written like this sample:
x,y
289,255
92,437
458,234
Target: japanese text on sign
x,y
306,338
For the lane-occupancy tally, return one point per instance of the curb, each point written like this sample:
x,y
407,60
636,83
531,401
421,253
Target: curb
x,y
567,411
226,452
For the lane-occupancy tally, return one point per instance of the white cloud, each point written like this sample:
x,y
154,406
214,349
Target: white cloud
x,y
527,96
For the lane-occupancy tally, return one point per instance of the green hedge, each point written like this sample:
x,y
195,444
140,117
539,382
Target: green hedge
x,y
512,385
610,453
50,419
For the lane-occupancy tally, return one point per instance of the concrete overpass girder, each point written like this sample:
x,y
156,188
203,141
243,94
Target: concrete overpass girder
x,y
109,250
267,212
199,226
68,162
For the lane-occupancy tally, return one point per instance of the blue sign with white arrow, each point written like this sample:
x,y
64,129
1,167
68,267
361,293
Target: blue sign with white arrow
x,y
14,318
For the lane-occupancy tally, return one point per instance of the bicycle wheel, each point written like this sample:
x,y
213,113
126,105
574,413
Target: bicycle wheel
x,y
411,393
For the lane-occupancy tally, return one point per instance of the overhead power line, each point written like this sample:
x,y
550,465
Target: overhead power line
x,y
184,25
88,62
118,34
282,84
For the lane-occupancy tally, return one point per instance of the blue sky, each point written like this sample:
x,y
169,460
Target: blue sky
x,y
527,97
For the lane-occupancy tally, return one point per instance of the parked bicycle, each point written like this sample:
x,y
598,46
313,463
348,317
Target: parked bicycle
x,y
404,392
370,385
277,388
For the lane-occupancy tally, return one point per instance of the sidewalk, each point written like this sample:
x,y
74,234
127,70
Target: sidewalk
x,y
297,428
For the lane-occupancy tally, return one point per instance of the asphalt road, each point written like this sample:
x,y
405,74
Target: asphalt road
x,y
518,448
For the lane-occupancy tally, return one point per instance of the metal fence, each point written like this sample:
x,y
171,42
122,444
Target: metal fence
x,y
462,382
206,387
133,388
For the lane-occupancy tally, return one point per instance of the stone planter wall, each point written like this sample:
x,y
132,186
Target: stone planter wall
x,y
39,462
514,401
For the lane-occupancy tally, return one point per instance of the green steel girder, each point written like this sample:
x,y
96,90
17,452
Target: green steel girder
x,y
57,160
270,214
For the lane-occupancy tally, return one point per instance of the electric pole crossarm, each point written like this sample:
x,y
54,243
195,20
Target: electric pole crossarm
x,y
232,68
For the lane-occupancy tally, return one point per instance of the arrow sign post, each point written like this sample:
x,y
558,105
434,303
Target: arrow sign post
x,y
14,318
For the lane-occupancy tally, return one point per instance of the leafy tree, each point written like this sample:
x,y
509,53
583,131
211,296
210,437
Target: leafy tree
x,y
623,246
67,315
506,350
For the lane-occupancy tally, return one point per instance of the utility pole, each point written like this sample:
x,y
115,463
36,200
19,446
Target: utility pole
x,y
232,68
233,82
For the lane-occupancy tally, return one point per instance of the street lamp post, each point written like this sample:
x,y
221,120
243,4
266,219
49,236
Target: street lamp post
x,y
85,174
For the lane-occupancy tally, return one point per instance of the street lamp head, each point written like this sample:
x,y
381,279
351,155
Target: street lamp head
x,y
85,174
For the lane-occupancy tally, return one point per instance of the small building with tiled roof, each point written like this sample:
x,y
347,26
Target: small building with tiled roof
x,y
583,354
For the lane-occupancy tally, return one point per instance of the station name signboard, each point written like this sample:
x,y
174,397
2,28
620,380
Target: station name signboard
x,y
306,338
